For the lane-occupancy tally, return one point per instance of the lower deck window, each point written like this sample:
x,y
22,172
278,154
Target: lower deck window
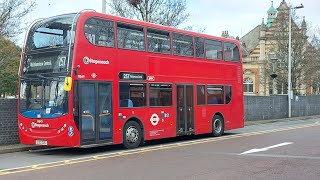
x,y
160,95
132,94
201,96
215,95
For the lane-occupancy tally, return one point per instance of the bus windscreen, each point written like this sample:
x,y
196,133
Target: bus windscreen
x,y
43,98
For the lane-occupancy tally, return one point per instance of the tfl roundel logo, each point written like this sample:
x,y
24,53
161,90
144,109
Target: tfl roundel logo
x,y
86,60
154,119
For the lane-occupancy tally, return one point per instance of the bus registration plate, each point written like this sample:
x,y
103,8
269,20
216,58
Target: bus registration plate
x,y
41,142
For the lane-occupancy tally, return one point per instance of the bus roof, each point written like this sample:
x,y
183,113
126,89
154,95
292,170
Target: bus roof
x,y
156,26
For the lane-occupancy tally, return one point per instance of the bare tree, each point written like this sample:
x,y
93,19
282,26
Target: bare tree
x,y
165,12
11,16
315,76
196,29
304,57
314,37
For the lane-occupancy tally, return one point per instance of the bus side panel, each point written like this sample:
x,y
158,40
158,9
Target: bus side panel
x,y
237,102
237,110
202,121
157,123
117,122
160,123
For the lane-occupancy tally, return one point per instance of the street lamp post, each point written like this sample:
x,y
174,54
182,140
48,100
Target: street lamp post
x,y
104,6
290,93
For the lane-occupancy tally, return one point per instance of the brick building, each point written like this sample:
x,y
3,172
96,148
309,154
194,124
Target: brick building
x,y
258,47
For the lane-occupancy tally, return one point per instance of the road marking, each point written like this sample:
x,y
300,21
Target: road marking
x,y
266,148
143,150
262,155
284,156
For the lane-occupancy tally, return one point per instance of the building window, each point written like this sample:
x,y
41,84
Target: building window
x,y
282,63
254,58
282,88
248,85
160,95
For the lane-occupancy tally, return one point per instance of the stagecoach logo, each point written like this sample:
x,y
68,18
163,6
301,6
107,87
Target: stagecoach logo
x,y
36,125
87,60
154,119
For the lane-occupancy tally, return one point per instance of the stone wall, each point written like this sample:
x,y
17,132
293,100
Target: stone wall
x,y
276,107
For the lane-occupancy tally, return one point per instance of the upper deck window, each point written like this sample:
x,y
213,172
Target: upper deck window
x,y
51,33
182,45
213,49
99,32
130,37
231,52
199,47
158,41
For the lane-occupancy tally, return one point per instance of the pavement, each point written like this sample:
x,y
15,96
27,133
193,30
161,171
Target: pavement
x,y
20,147
250,123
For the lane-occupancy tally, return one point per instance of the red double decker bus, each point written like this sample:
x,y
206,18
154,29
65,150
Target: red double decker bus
x,y
90,79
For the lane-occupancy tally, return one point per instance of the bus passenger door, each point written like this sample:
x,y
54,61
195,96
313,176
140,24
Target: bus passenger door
x,y
185,109
105,111
95,112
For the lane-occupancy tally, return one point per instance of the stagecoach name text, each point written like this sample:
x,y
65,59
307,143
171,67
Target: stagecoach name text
x,y
87,60
37,125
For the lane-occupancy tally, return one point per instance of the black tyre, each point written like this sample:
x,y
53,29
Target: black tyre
x,y
217,126
132,135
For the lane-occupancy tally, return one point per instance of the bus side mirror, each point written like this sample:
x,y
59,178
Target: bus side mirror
x,y
67,84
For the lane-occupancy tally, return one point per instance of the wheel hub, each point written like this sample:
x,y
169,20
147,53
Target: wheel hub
x,y
132,134
217,125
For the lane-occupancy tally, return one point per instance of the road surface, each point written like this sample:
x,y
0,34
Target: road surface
x,y
281,150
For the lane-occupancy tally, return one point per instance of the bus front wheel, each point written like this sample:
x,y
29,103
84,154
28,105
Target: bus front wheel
x,y
217,126
132,135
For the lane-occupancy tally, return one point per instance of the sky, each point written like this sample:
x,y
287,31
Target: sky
x,y
236,16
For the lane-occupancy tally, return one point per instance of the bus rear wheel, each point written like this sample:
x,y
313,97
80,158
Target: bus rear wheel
x,y
217,126
132,135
